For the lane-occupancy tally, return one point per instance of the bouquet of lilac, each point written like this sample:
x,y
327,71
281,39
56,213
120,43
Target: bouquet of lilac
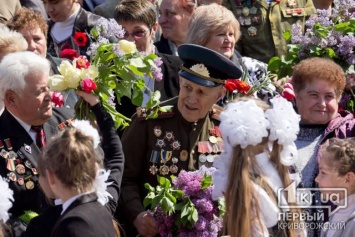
x,y
186,208
330,34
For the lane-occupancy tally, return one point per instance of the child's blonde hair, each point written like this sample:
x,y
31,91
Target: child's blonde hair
x,y
71,157
241,198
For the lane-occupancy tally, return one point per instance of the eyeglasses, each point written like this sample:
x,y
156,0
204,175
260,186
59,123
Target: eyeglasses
x,y
136,34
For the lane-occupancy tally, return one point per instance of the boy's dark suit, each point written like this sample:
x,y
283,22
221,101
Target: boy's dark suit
x,y
85,217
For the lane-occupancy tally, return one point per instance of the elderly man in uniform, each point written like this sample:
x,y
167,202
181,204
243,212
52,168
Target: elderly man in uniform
x,y
182,139
263,22
27,122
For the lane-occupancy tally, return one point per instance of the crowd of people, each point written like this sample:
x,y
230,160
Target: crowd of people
x,y
66,177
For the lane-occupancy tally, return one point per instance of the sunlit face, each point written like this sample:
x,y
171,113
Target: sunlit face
x,y
195,101
33,104
328,177
174,20
140,34
36,40
317,103
60,10
222,41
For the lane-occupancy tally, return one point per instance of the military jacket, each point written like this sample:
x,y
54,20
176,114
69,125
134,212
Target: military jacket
x,y
164,146
262,24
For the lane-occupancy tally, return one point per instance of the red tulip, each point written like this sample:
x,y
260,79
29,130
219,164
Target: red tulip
x,y
88,85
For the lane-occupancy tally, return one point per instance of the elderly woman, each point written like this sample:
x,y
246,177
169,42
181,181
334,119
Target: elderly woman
x,y
318,85
215,27
33,27
138,18
172,142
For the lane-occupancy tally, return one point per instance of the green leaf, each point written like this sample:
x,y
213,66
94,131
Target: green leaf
x,y
149,187
274,64
206,181
167,205
137,62
171,197
287,35
157,200
148,199
194,216
221,206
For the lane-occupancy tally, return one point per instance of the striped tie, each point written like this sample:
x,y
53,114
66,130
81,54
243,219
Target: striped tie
x,y
40,137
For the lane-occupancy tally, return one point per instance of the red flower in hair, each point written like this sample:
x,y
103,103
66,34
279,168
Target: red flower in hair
x,y
80,39
70,54
88,85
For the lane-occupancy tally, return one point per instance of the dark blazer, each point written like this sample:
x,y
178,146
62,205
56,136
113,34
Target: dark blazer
x,y
42,225
168,87
163,46
85,217
84,22
27,156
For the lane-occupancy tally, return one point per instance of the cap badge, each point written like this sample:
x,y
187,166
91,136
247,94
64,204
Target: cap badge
x,y
200,69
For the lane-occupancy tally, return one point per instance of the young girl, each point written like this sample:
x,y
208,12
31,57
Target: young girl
x,y
337,170
43,224
258,147
67,170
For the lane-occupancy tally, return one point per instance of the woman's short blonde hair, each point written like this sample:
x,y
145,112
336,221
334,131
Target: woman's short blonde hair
x,y
208,19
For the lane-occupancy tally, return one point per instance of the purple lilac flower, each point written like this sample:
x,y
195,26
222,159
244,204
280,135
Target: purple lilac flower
x,y
201,223
158,61
92,49
203,205
109,28
157,74
111,98
296,34
346,48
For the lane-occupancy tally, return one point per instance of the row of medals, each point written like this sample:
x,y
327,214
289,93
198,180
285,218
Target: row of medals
x,y
16,165
246,16
210,149
162,156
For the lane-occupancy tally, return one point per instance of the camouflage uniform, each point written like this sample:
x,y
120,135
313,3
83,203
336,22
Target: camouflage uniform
x,y
263,24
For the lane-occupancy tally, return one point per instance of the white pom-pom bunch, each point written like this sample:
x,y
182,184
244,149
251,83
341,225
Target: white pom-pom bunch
x,y
100,186
243,123
284,121
85,127
6,196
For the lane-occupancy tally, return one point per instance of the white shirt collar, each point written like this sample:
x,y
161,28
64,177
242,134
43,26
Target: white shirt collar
x,y
68,202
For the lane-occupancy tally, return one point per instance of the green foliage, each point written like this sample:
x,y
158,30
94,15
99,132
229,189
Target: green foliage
x,y
172,200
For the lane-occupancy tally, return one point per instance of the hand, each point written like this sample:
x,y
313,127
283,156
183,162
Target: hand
x,y
145,224
89,97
